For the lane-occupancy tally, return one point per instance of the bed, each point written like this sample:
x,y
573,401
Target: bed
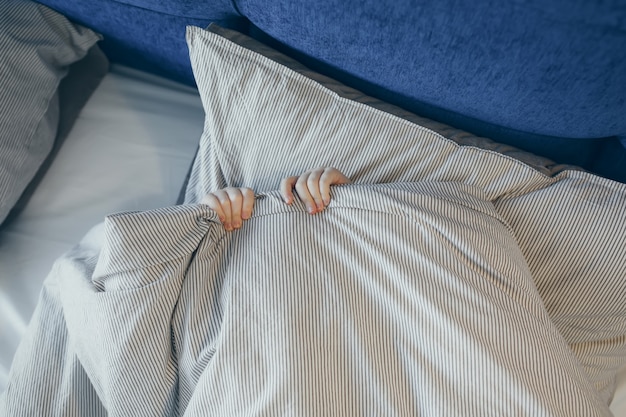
x,y
560,360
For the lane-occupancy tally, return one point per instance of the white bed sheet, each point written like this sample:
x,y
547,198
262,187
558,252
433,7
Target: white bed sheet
x,y
129,150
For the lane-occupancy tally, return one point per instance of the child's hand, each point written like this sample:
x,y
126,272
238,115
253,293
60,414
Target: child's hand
x,y
233,205
313,187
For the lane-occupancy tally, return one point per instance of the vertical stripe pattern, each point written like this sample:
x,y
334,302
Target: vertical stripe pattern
x,y
399,299
267,118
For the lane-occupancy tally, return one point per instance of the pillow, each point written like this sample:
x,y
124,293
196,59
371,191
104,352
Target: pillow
x,y
37,45
82,79
268,117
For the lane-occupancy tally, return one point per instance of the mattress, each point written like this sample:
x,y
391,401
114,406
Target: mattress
x,y
129,150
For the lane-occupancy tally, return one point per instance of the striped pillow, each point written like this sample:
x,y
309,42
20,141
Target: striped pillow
x,y
36,47
268,117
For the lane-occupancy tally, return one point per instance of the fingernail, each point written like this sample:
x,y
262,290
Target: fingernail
x,y
311,209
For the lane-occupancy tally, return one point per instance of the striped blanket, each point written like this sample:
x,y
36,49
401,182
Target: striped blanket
x,y
401,299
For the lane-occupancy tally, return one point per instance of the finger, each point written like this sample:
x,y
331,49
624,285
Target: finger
x,y
313,185
214,204
236,202
331,176
248,203
303,192
325,183
224,201
286,187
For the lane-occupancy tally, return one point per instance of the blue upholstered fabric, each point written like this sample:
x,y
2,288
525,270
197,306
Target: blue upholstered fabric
x,y
547,76
537,74
149,34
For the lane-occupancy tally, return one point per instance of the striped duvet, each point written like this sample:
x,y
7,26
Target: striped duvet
x,y
399,300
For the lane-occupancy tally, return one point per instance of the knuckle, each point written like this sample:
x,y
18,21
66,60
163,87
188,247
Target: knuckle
x,y
219,194
302,190
207,199
234,194
301,184
287,183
